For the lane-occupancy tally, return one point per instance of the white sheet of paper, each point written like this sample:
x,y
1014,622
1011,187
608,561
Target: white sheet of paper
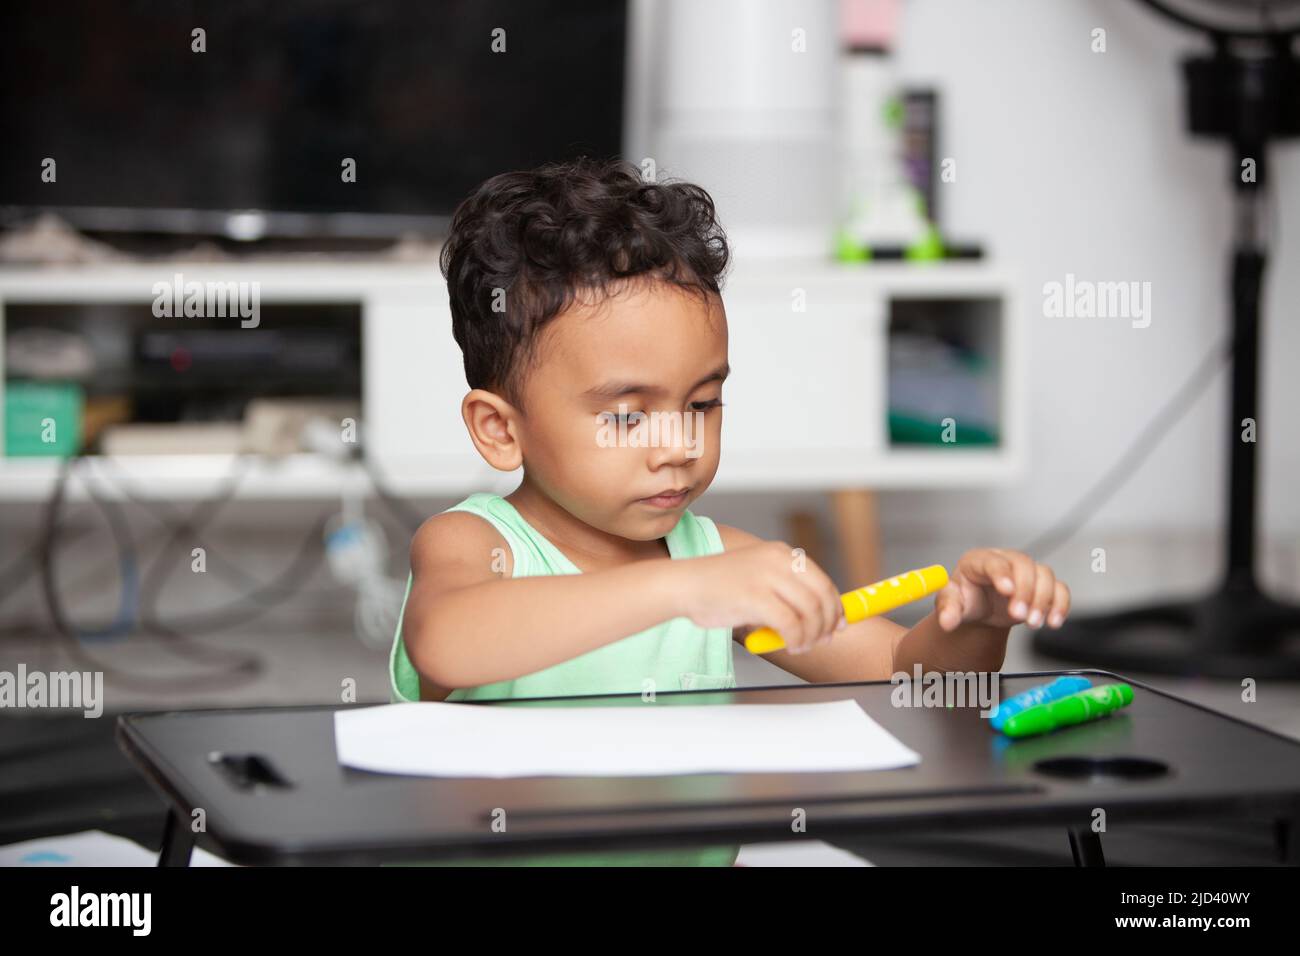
x,y
468,740
802,852
91,848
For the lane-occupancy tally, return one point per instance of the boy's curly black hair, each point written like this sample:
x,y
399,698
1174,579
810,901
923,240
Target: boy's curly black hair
x,y
524,243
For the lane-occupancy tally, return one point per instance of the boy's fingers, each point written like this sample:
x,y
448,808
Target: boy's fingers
x,y
808,609
834,606
829,596
991,568
782,618
1023,572
1060,605
948,606
1044,591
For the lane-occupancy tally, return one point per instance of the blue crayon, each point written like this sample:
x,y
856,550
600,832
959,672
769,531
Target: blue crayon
x,y
1042,694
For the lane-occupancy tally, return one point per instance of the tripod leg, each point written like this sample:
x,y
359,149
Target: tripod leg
x,y
1286,832
1085,846
177,842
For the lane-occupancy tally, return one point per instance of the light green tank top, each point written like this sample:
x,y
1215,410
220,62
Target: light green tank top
x,y
675,655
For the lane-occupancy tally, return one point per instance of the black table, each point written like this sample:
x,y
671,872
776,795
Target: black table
x,y
272,791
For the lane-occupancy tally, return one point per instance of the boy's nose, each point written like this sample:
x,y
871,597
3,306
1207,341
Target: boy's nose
x,y
676,446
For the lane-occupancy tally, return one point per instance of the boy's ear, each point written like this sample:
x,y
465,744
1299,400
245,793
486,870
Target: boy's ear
x,y
491,421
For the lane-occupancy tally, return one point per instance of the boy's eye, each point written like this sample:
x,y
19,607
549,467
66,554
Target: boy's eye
x,y
630,418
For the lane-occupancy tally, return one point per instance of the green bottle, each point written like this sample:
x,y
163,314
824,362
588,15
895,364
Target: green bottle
x,y
1076,709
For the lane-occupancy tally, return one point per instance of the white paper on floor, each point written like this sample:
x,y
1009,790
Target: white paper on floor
x,y
470,740
797,853
91,848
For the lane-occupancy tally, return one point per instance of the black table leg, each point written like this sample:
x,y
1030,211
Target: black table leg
x,y
1287,833
1085,845
177,841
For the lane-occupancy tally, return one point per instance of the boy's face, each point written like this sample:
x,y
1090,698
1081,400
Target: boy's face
x,y
649,348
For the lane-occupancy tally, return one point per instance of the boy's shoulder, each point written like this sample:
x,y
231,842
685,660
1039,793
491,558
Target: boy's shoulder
x,y
459,538
733,538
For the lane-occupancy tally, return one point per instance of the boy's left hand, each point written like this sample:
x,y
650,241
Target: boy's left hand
x,y
999,588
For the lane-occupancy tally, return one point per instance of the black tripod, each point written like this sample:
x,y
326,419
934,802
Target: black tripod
x,y
1248,97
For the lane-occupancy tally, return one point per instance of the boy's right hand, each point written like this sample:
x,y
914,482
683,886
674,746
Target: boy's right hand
x,y
768,584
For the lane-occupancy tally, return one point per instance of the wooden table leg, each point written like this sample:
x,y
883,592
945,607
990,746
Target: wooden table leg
x,y
803,531
857,531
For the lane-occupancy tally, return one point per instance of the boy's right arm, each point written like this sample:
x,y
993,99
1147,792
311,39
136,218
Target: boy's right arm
x,y
467,624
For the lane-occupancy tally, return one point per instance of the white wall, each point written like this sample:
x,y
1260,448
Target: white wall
x,y
1074,161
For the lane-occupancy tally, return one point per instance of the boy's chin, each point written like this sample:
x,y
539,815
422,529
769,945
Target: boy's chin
x,y
640,522
657,522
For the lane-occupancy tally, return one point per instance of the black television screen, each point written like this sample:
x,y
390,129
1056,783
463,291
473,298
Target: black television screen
x,y
142,126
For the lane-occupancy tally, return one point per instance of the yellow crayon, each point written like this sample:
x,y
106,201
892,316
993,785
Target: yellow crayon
x,y
878,598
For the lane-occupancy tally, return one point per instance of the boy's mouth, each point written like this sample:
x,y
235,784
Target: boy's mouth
x,y
669,498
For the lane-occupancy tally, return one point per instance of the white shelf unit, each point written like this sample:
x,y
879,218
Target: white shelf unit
x,y
806,403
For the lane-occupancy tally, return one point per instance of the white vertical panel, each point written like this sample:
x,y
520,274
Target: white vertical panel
x,y
413,378
804,381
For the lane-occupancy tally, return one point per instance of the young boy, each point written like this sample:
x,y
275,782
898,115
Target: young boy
x,y
587,305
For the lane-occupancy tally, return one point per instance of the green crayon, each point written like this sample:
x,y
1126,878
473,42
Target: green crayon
x,y
1076,709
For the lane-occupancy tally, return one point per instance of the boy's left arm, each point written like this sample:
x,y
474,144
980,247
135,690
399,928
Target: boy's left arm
x,y
990,591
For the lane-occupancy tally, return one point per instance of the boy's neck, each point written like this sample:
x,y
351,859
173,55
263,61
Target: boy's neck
x,y
587,547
